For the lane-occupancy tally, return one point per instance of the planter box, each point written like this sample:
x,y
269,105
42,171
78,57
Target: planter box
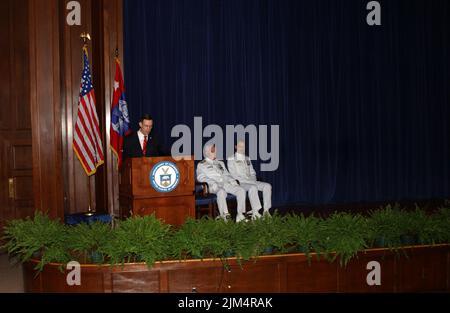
x,y
425,268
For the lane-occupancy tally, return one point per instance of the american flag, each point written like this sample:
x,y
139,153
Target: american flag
x,y
87,143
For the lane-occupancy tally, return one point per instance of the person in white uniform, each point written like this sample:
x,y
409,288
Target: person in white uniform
x,y
241,168
220,182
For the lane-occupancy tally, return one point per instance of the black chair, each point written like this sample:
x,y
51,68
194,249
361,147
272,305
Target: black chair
x,y
204,200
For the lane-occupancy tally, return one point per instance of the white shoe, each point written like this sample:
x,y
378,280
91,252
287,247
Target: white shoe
x,y
240,217
225,217
266,213
256,216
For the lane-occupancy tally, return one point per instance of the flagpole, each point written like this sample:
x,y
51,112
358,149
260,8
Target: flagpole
x,y
90,211
116,54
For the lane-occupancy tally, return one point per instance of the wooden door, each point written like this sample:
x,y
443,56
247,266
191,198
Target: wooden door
x,y
16,164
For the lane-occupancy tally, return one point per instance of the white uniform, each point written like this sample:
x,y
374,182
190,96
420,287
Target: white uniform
x,y
241,168
220,182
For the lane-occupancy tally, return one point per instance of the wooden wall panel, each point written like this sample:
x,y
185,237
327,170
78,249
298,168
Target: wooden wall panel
x,y
324,280
45,105
90,281
135,282
97,18
5,98
252,278
434,272
4,200
32,282
6,58
426,271
21,157
21,69
422,272
112,39
24,188
171,210
352,278
196,280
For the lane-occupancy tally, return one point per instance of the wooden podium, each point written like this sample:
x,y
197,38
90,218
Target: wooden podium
x,y
142,188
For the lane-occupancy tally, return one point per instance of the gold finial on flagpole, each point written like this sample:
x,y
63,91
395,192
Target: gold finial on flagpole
x,y
85,37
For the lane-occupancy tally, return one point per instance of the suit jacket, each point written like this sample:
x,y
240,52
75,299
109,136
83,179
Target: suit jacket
x,y
132,147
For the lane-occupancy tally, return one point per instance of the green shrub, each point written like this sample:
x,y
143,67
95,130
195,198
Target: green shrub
x,y
412,224
39,237
244,240
270,232
202,238
220,243
138,239
344,234
303,234
383,227
440,226
89,242
147,239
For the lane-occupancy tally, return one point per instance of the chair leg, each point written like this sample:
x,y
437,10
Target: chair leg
x,y
215,210
210,209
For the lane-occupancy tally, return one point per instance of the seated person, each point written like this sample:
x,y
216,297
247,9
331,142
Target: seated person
x,y
143,143
241,169
220,182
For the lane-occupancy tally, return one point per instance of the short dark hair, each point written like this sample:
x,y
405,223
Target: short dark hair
x,y
146,117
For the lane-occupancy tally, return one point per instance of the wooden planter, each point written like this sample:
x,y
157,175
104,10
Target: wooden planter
x,y
425,268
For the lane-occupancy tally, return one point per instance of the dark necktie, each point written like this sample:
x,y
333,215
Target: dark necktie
x,y
144,146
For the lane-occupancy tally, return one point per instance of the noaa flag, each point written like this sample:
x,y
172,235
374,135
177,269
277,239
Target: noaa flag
x,y
120,120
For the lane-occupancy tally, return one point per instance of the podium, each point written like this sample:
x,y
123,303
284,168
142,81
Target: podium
x,y
160,185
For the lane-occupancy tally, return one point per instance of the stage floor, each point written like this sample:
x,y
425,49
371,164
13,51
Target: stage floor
x,y
11,275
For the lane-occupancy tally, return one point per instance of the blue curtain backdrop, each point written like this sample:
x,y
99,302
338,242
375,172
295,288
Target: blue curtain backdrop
x,y
363,110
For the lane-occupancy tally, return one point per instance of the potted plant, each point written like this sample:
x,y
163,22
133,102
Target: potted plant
x,y
39,237
138,239
411,225
303,234
244,240
383,227
270,233
437,230
343,235
220,244
202,238
88,242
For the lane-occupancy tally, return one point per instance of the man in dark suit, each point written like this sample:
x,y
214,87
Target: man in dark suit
x,y
144,143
